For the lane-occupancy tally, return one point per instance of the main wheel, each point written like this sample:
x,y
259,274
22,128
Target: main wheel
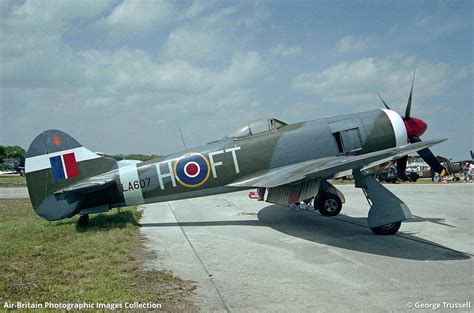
x,y
387,229
83,220
328,204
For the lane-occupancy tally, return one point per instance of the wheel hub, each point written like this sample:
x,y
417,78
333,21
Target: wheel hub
x,y
330,205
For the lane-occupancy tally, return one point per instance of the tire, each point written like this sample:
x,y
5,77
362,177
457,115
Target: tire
x,y
388,229
328,204
83,220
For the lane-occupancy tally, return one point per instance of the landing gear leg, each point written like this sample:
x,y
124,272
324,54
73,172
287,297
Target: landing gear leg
x,y
83,220
387,211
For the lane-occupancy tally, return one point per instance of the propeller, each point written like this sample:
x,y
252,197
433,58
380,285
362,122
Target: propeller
x,y
415,128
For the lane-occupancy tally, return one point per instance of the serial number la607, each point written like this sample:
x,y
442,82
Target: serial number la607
x,y
142,183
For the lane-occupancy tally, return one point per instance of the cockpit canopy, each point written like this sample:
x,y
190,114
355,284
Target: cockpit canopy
x,y
256,127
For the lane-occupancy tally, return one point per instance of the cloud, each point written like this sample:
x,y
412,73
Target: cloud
x,y
58,11
206,65
285,51
219,18
353,43
132,71
124,91
132,17
197,8
42,60
465,72
194,45
36,22
33,54
359,82
423,21
243,70
209,34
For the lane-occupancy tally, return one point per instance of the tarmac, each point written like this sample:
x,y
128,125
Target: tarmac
x,y
13,193
249,256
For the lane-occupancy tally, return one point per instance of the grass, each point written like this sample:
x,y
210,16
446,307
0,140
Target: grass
x,y
60,262
12,181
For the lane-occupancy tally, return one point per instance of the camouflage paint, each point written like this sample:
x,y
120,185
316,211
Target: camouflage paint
x,y
289,144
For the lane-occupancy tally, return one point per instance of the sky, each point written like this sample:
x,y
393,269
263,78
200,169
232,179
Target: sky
x,y
123,76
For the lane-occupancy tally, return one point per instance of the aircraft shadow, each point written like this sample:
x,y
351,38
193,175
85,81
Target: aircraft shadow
x,y
104,222
351,233
343,232
439,221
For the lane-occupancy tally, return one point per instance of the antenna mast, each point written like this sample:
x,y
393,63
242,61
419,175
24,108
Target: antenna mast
x,y
182,137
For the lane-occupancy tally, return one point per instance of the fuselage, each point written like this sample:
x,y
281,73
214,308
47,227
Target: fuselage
x,y
208,169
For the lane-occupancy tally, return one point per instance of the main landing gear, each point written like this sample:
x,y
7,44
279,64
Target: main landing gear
x,y
386,212
83,220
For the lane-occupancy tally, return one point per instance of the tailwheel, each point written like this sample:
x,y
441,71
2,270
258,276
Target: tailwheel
x,y
387,229
83,220
328,204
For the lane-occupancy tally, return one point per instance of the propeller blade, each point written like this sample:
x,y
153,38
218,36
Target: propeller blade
x,y
432,161
429,158
408,109
401,168
384,102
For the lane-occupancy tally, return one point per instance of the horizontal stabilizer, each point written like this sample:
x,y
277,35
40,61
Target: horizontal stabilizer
x,y
85,187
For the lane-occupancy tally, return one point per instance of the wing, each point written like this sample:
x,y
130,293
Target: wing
x,y
327,167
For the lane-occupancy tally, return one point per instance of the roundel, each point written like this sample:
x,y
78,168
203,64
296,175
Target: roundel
x,y
192,170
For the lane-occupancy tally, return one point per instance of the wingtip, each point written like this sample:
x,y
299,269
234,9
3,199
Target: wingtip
x,y
436,141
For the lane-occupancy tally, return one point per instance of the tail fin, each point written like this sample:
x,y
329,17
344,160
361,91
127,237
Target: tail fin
x,y
55,161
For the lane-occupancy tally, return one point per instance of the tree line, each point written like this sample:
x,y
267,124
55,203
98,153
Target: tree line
x,y
17,152
11,152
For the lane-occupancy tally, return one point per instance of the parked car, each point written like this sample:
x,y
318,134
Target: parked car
x,y
391,176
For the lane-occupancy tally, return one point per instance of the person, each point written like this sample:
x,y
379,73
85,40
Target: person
x,y
466,169
432,172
